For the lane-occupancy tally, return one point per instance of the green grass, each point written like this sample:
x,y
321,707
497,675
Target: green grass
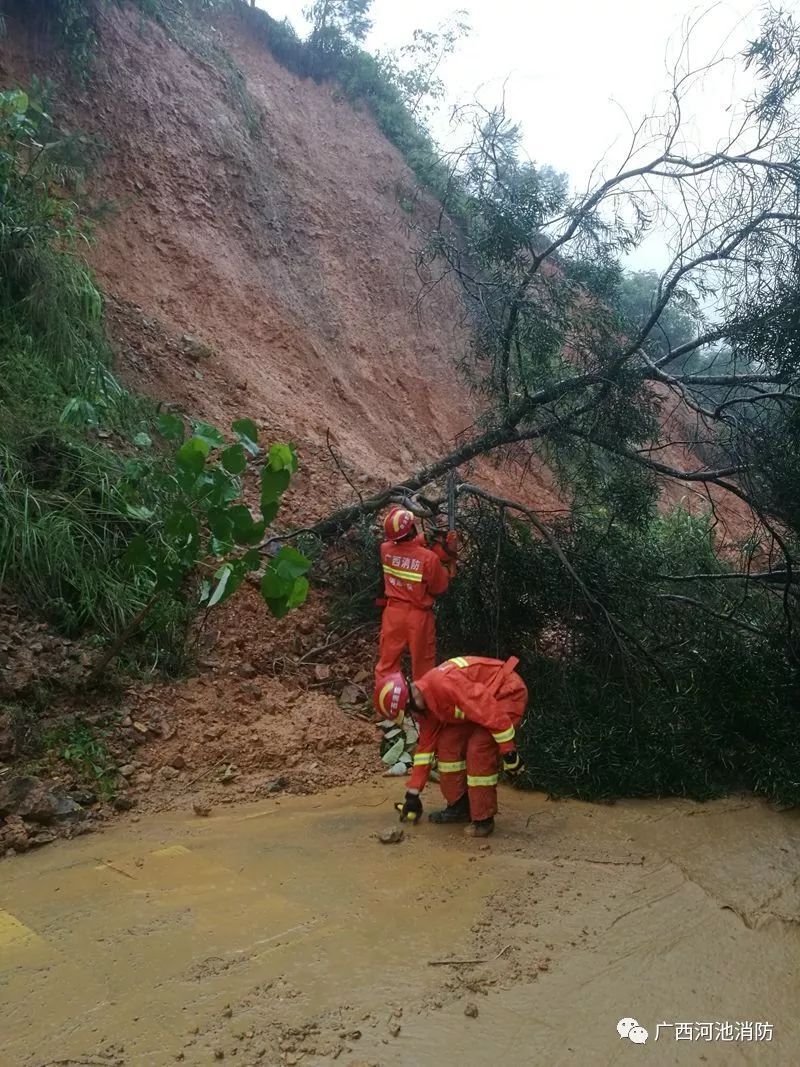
x,y
85,748
66,423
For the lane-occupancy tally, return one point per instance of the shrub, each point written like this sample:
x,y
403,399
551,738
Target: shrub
x,y
644,697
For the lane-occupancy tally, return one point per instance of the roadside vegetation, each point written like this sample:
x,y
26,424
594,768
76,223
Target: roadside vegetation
x,y
117,521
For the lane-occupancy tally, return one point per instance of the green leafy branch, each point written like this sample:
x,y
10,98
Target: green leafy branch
x,y
201,524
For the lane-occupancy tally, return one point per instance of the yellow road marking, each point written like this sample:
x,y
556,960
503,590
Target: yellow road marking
x,y
172,850
14,933
109,866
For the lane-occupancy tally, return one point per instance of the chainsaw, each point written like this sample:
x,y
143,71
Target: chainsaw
x,y
438,535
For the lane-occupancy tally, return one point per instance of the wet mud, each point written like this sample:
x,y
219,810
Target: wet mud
x,y
286,933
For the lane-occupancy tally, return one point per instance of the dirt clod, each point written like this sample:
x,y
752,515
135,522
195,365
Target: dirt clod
x,y
391,837
201,809
13,835
195,349
275,785
471,1010
351,694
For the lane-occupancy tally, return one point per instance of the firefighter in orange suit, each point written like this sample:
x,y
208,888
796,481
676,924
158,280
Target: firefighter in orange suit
x,y
413,576
467,711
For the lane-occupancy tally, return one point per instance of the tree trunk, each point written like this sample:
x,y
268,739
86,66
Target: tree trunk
x,y
119,642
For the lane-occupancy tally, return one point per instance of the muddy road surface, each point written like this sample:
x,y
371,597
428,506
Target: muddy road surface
x,y
286,933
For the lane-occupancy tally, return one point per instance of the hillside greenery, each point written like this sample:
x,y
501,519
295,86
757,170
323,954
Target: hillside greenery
x,y
116,520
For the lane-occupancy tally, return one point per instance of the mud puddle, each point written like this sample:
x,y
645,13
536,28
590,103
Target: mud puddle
x,y
284,933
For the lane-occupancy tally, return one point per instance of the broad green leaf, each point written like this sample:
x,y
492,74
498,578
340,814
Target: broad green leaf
x,y
218,549
234,460
299,593
269,509
220,523
273,585
273,484
191,456
223,575
279,606
143,440
14,101
134,469
181,525
289,563
216,487
283,457
138,553
186,481
393,754
236,579
412,736
171,427
205,590
208,433
247,432
245,530
252,559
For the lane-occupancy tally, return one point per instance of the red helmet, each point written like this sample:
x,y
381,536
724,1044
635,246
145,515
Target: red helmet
x,y
391,696
398,524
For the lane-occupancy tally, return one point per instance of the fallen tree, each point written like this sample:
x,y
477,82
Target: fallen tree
x,y
570,367
660,650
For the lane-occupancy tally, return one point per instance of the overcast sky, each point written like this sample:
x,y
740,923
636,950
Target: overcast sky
x,y
572,69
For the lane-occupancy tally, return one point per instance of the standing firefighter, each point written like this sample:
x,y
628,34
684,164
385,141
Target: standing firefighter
x,y
467,711
413,576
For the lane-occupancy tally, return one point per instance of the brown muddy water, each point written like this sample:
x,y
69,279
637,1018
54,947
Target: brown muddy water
x,y
285,933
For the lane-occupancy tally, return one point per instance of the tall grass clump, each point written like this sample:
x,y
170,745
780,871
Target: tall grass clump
x,y
64,522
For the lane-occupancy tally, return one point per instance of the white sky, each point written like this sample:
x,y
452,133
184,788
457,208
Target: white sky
x,y
572,69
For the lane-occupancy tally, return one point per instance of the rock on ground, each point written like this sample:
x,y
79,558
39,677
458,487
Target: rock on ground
x,y
36,800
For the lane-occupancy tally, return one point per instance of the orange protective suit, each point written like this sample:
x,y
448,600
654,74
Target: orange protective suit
x,y
413,576
473,708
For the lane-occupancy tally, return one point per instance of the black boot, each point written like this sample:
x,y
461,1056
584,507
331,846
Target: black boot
x,y
480,828
458,812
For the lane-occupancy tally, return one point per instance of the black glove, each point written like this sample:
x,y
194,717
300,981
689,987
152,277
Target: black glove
x,y
512,764
411,809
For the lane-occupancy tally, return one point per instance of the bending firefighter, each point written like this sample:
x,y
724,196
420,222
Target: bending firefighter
x,y
467,711
413,576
